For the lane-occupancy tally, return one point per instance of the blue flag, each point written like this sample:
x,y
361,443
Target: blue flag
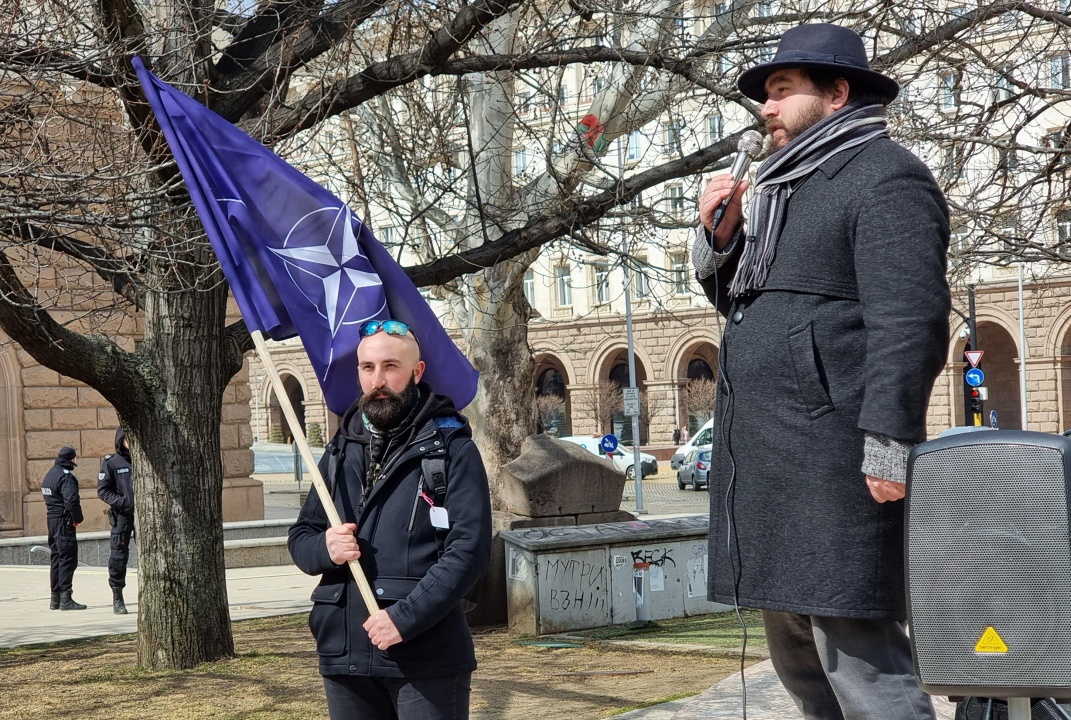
x,y
297,260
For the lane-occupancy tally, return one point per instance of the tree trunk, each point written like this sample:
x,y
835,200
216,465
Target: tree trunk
x,y
183,618
503,413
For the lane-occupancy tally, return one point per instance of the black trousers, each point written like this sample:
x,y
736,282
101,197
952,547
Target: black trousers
x,y
63,558
120,551
357,697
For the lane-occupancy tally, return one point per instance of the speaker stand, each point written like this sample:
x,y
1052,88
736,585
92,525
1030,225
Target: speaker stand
x,y
1019,709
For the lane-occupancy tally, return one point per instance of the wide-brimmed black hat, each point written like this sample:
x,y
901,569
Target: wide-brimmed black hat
x,y
819,45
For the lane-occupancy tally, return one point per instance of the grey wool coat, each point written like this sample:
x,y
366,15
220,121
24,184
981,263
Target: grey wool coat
x,y
846,337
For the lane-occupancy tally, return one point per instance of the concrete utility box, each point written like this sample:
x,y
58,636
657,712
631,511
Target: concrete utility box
x,y
571,578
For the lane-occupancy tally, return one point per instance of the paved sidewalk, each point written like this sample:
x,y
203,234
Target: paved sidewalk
x,y
766,700
25,618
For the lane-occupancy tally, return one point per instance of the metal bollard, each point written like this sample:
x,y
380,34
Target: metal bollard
x,y
297,465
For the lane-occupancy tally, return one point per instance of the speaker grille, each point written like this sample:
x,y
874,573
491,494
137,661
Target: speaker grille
x,y
988,546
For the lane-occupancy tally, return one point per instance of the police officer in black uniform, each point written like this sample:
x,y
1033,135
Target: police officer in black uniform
x,y
115,486
64,513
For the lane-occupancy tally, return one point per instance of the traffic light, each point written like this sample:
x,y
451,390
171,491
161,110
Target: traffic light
x,y
977,399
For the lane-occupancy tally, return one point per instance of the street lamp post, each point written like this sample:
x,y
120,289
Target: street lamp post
x,y
637,466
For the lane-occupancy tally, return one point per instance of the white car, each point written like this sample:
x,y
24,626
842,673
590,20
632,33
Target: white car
x,y
703,438
623,458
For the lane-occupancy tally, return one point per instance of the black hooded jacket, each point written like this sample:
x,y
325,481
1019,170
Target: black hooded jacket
x,y
418,573
115,482
60,488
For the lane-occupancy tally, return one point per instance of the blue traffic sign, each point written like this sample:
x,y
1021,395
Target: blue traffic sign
x,y
992,418
608,444
974,377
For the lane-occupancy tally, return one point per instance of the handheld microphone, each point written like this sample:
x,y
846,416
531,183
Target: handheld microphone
x,y
749,145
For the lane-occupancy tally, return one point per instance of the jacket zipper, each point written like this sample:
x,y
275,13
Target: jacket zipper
x,y
403,456
416,504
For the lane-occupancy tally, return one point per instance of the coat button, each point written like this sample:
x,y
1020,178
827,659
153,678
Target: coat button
x,y
353,668
738,316
379,591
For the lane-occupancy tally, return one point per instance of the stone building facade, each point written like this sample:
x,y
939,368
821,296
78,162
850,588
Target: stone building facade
x,y
672,341
585,352
41,411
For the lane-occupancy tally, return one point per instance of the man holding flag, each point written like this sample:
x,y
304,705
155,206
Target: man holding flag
x,y
423,533
406,503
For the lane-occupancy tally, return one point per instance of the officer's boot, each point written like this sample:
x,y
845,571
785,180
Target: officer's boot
x,y
117,601
53,604
68,603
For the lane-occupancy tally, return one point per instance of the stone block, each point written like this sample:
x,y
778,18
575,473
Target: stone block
x,y
50,397
39,376
257,552
237,463
88,397
97,443
228,437
37,419
604,517
107,418
551,477
236,413
74,419
242,393
243,499
35,473
41,445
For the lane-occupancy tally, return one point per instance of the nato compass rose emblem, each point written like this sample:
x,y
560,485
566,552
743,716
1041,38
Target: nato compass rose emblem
x,y
324,259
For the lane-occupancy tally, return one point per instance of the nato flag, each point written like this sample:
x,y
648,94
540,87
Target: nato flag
x,y
298,261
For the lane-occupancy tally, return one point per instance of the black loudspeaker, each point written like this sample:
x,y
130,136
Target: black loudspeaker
x,y
989,564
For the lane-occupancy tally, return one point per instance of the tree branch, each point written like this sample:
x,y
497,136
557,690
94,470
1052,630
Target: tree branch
x,y
234,93
57,60
106,266
915,45
93,359
541,230
228,22
257,34
382,76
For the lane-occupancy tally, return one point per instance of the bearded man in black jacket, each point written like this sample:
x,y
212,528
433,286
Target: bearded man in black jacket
x,y
422,549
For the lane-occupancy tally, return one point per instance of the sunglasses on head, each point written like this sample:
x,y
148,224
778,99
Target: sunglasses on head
x,y
391,327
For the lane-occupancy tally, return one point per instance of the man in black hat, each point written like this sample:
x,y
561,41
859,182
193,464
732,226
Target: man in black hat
x,y
837,306
63,510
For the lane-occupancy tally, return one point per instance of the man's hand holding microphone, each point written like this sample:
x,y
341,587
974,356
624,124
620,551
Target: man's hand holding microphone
x,y
721,206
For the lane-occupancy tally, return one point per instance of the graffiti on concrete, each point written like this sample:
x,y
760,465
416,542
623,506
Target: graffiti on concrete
x,y
574,584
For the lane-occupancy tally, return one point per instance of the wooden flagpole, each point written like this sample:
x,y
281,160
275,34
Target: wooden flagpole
x,y
314,469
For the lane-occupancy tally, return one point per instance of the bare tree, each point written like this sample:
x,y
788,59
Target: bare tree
x,y
652,405
698,398
599,404
551,411
544,138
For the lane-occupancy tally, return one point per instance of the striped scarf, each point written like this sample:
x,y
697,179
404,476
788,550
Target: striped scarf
x,y
784,171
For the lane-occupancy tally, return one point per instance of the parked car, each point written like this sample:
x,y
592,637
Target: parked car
x,y
965,429
703,437
622,458
694,470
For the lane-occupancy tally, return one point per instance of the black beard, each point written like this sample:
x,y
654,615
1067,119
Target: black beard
x,y
386,413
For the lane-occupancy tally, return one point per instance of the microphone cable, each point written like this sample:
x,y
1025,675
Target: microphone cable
x,y
724,429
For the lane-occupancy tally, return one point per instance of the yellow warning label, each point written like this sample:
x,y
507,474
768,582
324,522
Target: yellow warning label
x,y
991,642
